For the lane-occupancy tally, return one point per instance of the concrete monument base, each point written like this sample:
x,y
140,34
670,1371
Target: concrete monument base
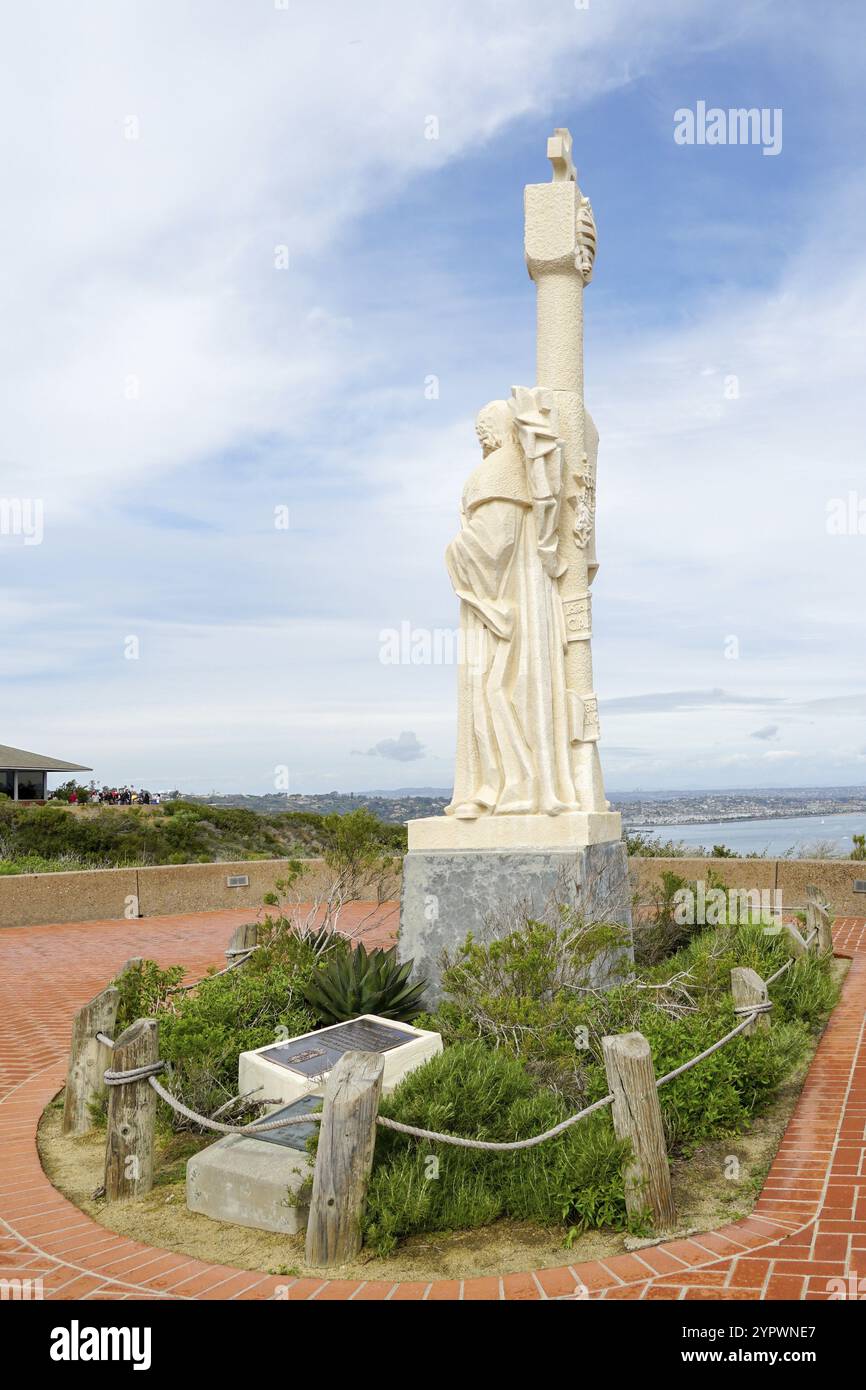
x,y
263,1181
449,892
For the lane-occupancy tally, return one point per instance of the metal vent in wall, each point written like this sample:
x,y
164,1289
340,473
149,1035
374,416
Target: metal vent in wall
x,y
238,880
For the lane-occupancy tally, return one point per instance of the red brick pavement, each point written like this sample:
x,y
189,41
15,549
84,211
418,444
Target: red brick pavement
x,y
809,1225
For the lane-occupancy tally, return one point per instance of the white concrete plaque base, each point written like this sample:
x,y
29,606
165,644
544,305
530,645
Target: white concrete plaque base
x,y
283,1084
248,1182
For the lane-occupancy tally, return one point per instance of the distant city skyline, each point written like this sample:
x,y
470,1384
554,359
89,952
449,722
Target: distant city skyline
x,y
252,304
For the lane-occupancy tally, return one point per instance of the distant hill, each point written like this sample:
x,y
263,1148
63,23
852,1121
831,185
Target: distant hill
x,y
435,793
392,807
44,839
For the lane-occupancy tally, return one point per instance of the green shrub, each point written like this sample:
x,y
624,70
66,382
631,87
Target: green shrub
x,y
145,989
227,1015
179,832
203,1032
527,992
518,998
720,1094
474,1092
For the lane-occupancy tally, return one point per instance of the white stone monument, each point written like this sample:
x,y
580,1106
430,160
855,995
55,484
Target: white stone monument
x,y
264,1180
299,1066
528,821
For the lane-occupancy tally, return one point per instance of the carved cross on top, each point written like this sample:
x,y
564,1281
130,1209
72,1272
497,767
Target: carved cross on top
x,y
559,154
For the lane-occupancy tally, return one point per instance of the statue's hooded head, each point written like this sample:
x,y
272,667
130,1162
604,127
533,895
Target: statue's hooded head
x,y
493,425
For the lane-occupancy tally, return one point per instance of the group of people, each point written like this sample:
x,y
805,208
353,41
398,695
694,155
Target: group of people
x,y
120,796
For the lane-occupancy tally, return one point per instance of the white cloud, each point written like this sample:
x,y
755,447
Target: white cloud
x,y
405,749
152,259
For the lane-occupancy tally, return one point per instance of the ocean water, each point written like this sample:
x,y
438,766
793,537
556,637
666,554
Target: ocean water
x,y
771,837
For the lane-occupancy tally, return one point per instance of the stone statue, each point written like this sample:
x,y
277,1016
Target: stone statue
x,y
529,822
513,739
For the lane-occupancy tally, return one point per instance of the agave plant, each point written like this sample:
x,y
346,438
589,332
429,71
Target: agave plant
x,y
359,982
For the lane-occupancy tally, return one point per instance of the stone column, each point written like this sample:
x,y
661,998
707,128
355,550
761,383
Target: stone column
x,y
560,249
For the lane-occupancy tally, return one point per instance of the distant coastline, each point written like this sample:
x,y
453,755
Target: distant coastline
x,y
652,811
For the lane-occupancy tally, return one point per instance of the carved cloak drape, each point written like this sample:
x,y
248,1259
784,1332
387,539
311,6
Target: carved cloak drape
x,y
513,739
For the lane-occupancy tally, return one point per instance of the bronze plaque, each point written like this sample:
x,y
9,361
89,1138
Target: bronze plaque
x,y
317,1055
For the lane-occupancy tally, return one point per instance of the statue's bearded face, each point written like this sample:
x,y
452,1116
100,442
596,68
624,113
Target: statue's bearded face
x,y
485,433
492,425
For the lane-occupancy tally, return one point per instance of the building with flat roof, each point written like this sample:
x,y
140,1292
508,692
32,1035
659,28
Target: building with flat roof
x,y
23,775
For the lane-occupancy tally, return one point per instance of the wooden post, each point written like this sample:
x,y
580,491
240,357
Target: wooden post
x,y
748,988
825,930
637,1116
795,940
131,1115
88,1060
242,939
134,963
819,918
344,1158
811,912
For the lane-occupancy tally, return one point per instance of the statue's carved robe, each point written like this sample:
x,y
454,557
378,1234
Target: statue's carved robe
x,y
513,748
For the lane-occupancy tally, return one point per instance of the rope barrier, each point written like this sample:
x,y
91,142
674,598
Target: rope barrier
x,y
459,1143
241,952
222,1128
143,1073
149,1073
780,972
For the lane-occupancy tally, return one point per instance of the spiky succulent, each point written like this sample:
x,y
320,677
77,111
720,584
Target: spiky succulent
x,y
361,982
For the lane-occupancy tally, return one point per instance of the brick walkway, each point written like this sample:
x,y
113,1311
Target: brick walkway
x,y
809,1224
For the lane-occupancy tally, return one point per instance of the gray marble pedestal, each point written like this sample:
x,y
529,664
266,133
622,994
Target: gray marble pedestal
x,y
447,893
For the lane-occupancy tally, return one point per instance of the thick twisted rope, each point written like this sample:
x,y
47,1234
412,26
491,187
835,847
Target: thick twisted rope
x,y
778,973
750,1012
515,1144
219,1126
241,952
142,1073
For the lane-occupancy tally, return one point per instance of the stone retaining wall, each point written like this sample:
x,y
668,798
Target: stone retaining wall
x,y
28,900
836,877
101,894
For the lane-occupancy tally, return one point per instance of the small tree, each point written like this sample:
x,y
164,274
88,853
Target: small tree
x,y
361,870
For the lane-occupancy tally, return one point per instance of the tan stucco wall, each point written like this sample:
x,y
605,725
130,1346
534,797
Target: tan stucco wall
x,y
98,894
835,876
28,900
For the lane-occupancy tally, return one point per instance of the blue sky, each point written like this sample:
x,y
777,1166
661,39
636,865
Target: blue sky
x,y
165,387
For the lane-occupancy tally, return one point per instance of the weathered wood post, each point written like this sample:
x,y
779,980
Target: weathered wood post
x,y
749,989
88,1060
131,1115
819,918
134,963
242,939
811,911
795,939
637,1116
344,1158
825,930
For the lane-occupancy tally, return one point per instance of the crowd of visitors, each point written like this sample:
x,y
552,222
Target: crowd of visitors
x,y
116,796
